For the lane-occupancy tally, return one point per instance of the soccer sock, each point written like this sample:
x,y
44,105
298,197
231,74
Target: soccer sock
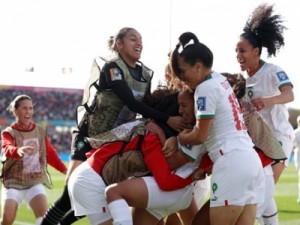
x,y
270,216
120,212
38,220
70,218
57,211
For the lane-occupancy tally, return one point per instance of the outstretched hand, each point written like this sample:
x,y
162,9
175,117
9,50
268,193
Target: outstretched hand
x,y
25,150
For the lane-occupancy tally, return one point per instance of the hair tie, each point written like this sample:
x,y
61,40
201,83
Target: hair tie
x,y
182,47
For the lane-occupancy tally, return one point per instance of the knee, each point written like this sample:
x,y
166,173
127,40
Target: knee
x,y
39,205
112,192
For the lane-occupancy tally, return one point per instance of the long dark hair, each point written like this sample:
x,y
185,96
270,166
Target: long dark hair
x,y
191,50
164,100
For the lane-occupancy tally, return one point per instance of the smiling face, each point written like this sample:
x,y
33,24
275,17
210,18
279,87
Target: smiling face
x,y
247,56
130,47
186,107
23,112
189,74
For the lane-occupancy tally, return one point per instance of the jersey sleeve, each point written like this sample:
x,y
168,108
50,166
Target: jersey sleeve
x,y
281,78
206,98
113,79
9,149
158,166
110,74
53,158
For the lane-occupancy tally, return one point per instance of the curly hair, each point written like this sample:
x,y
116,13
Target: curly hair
x,y
263,29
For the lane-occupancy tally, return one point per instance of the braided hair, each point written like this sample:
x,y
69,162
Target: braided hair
x,y
263,29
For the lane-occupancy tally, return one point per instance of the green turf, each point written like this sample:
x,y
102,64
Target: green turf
x,y
285,195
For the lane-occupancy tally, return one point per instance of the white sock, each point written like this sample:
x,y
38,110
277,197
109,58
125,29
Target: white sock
x,y
270,216
120,212
38,220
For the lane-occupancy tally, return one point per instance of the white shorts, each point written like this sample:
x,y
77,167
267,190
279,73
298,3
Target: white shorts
x,y
19,195
201,190
162,203
86,191
237,179
287,146
269,191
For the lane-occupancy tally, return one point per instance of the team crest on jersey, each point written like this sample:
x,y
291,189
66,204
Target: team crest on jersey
x,y
282,76
115,74
201,103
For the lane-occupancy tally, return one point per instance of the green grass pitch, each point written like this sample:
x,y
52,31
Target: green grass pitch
x,y
285,194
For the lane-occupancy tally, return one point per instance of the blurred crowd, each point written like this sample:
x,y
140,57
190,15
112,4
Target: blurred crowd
x,y
54,108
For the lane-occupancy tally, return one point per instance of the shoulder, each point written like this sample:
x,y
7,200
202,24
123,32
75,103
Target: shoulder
x,y
277,73
110,64
272,69
9,130
213,82
146,69
112,71
39,127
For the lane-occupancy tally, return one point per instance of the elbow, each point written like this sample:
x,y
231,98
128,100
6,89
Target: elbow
x,y
201,141
135,106
288,95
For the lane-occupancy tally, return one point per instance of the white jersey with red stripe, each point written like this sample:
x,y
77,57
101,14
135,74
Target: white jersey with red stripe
x,y
214,99
267,81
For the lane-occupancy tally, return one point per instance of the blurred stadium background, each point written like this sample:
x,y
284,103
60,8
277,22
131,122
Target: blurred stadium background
x,y
54,109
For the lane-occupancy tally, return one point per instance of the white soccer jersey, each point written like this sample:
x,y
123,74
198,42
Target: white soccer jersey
x,y
215,99
267,82
194,153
